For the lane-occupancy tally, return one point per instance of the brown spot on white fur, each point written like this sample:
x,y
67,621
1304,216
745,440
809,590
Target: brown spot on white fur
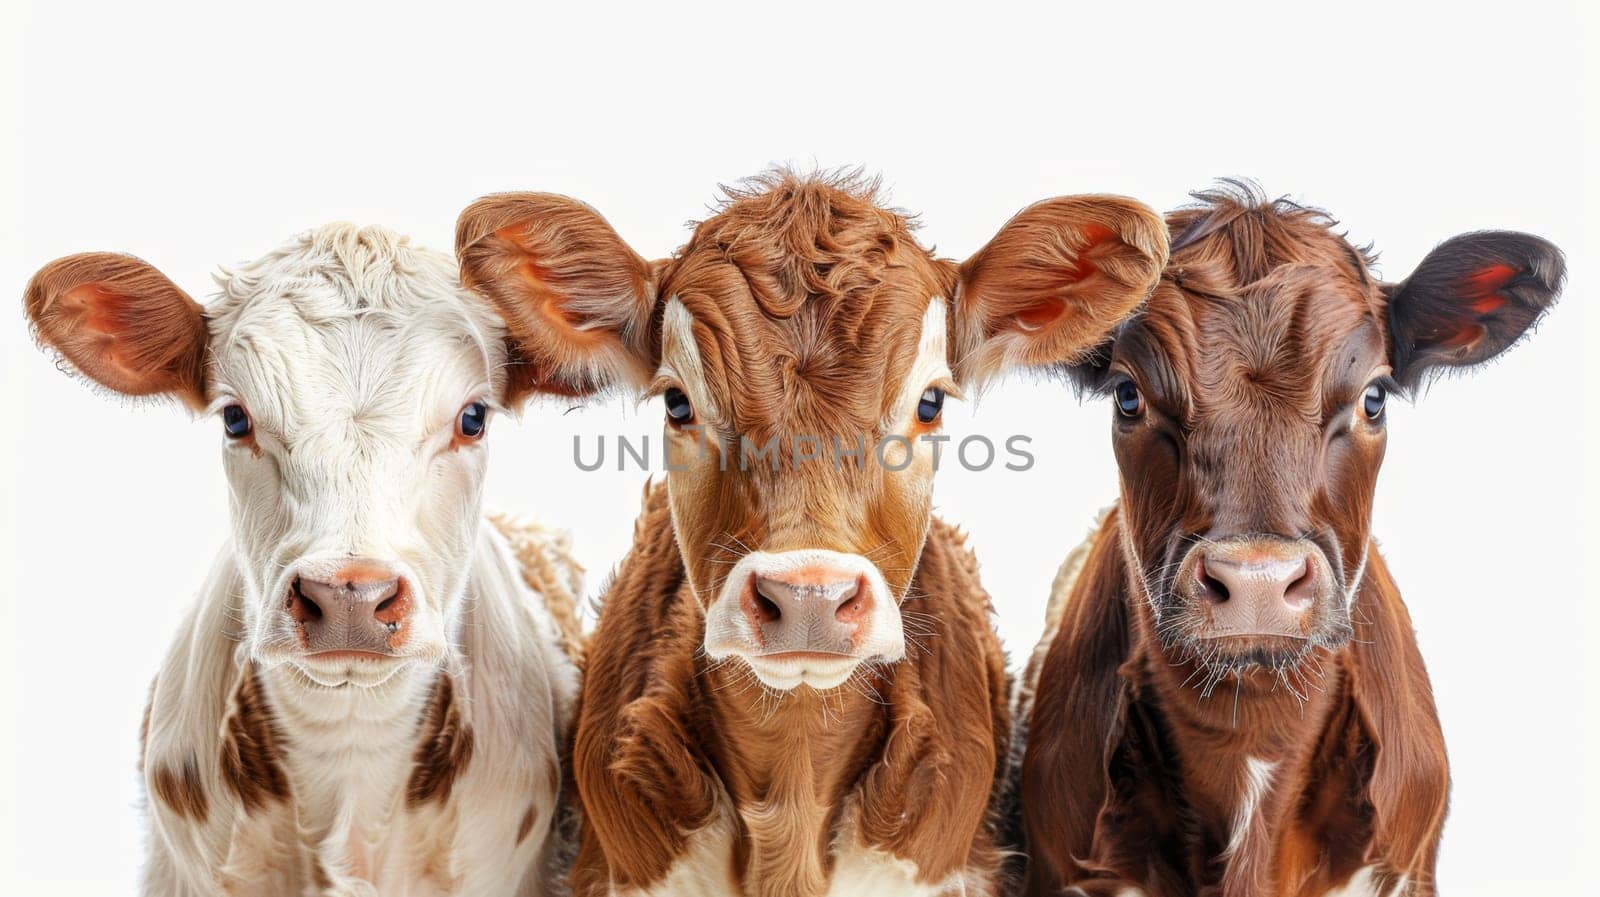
x,y
445,748
181,789
252,762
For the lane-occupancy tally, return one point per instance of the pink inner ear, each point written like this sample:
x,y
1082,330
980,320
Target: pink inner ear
x,y
1483,287
1039,314
1466,336
1492,278
1094,237
95,307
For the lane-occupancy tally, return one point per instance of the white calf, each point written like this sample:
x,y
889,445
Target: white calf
x,y
366,698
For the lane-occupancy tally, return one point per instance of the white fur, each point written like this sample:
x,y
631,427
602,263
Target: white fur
x,y
353,353
1257,779
680,359
705,869
931,367
1366,882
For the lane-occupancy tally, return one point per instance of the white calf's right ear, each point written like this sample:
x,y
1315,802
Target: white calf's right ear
x,y
1054,282
576,299
122,323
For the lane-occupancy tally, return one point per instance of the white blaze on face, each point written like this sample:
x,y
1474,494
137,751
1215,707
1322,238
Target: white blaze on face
x,y
930,368
680,358
353,352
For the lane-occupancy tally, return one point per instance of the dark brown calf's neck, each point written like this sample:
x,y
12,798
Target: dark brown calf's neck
x,y
1132,776
903,759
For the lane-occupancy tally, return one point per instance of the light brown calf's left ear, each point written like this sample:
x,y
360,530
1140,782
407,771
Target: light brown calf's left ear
x,y
1053,282
122,323
576,299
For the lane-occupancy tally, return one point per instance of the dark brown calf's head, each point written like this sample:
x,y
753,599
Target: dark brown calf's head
x,y
803,344
1249,401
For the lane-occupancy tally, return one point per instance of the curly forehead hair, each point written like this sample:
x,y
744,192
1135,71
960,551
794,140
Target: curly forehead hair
x,y
799,238
1235,228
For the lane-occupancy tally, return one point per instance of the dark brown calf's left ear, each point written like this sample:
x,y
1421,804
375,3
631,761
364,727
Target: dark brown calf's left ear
x,y
122,323
1470,299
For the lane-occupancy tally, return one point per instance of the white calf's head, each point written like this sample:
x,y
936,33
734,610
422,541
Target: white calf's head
x,y
352,378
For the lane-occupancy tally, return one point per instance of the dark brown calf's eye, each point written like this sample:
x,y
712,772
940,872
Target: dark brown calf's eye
x,y
929,406
1373,400
235,422
1129,402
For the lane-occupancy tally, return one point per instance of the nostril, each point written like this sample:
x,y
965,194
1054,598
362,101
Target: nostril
x,y
301,608
855,604
766,611
1214,588
386,603
1302,591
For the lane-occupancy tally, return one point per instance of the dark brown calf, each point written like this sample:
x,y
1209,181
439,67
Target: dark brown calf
x,y
1231,700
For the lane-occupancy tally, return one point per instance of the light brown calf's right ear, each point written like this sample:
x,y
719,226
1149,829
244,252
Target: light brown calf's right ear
x,y
1055,280
122,323
576,299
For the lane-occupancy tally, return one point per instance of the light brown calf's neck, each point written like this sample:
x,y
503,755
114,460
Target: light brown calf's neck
x,y
903,759
786,763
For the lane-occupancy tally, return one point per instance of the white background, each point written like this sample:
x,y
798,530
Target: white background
x,y
195,137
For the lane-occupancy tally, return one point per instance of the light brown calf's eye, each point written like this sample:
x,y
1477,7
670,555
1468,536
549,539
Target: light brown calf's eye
x,y
679,411
929,406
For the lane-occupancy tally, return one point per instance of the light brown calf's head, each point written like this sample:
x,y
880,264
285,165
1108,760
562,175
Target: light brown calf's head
x,y
1249,411
803,344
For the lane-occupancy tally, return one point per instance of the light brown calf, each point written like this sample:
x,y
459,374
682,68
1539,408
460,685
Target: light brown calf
x,y
795,688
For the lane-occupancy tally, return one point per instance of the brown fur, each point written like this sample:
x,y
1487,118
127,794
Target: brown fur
x,y
1252,357
122,323
807,301
182,790
252,747
575,298
664,738
444,749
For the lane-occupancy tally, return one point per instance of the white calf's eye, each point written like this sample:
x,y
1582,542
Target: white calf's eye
x,y
929,406
472,421
235,422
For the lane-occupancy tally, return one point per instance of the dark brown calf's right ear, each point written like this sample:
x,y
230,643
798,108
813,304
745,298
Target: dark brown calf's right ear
x,y
1472,298
122,323
576,299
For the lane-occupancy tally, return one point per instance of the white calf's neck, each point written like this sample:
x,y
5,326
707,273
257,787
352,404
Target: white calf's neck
x,y
349,759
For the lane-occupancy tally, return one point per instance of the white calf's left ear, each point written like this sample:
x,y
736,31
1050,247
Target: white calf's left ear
x,y
1053,282
122,323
